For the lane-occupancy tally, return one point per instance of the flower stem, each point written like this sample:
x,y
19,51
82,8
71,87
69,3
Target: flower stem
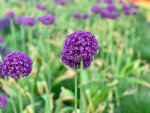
x,y
81,95
29,35
76,93
23,39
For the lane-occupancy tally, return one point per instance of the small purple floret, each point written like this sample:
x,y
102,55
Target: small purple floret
x,y
80,45
16,65
3,101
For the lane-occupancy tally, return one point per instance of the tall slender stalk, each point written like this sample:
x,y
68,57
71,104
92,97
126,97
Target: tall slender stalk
x,y
23,39
30,35
76,92
81,95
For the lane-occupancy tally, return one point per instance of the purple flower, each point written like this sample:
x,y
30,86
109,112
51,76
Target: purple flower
x,y
125,7
19,19
1,39
10,14
96,9
61,2
111,7
80,45
108,1
28,21
16,64
105,13
114,15
47,19
3,101
77,15
85,16
4,23
127,12
41,7
134,13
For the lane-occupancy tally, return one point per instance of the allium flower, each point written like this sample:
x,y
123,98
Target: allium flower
x,y
16,65
96,9
10,14
4,23
77,15
61,2
114,15
85,16
80,45
41,7
1,39
127,12
105,13
134,13
108,1
111,7
47,19
3,101
125,7
28,21
19,19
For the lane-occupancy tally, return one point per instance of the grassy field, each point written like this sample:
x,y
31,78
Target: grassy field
x,y
117,81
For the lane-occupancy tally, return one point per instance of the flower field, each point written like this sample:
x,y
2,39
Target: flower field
x,y
74,56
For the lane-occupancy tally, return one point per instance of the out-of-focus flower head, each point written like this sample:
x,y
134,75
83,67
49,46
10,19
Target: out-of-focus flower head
x,y
79,46
111,7
127,12
1,39
105,13
108,1
41,7
4,23
28,21
47,19
19,19
16,65
10,14
85,16
96,9
114,15
77,15
134,13
3,101
61,2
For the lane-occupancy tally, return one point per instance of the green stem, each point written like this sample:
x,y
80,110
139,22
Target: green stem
x,y
20,99
76,93
81,95
13,33
23,39
29,35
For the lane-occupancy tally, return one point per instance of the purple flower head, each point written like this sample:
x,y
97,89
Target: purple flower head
x,y
127,12
4,23
80,45
41,7
134,13
10,14
1,39
3,101
114,15
105,13
111,7
85,16
134,6
19,19
16,65
108,1
125,7
61,2
77,15
28,21
47,19
96,9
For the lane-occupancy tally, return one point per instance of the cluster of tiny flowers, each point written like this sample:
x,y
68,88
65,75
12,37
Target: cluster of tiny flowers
x,y
80,45
4,23
28,21
108,1
41,7
3,101
16,64
10,14
130,10
79,16
61,2
19,19
47,19
1,39
96,9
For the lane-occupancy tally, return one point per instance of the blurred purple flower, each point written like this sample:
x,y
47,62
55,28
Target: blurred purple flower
x,y
134,13
105,13
127,12
61,2
77,15
19,19
4,23
111,7
41,7
1,39
16,65
10,14
47,19
125,7
80,45
3,101
28,21
108,1
114,15
96,9
85,16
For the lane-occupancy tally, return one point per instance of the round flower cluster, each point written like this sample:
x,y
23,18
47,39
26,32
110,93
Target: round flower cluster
x,y
96,9
80,45
41,7
47,19
19,19
10,14
3,101
28,21
16,64
83,16
130,10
